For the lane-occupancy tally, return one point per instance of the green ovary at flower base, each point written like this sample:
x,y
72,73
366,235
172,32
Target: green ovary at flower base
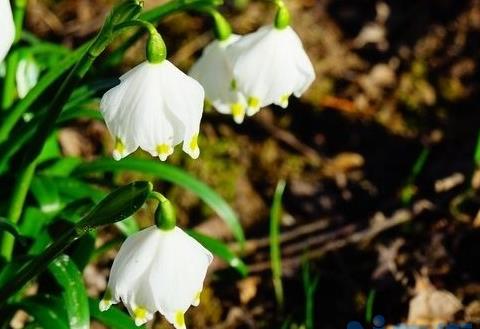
x,y
160,268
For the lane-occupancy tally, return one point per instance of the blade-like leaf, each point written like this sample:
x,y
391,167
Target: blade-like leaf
x,y
113,318
275,253
221,250
45,192
174,175
74,293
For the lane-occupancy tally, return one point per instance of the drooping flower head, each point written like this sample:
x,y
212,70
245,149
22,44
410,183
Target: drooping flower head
x,y
7,28
155,107
158,270
270,64
214,72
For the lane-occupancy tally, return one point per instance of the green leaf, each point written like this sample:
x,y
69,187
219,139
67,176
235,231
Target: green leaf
x,y
45,192
74,294
113,318
79,112
118,205
33,220
173,175
61,167
71,189
51,149
82,250
275,253
221,250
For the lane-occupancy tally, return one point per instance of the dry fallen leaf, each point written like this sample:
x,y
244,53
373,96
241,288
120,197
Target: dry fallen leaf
x,y
248,288
431,306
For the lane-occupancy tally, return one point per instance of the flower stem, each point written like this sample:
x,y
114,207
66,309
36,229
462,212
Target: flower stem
x,y
222,28
153,15
15,209
156,50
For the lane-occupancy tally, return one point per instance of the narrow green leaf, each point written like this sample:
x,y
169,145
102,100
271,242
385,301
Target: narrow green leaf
x,y
71,189
74,293
33,220
221,250
173,175
476,156
113,318
79,112
82,250
61,167
45,192
275,254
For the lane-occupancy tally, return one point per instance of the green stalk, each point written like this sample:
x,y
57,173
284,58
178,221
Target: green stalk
x,y
153,16
275,254
12,60
15,209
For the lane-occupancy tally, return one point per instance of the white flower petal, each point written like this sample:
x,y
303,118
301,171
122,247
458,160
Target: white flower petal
x,y
269,65
214,72
132,262
178,271
154,107
157,270
7,28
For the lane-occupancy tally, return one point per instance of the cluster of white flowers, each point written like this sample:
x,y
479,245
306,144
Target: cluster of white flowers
x,y
243,74
158,270
156,106
7,28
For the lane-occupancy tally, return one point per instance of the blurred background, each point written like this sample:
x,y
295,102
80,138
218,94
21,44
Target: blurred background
x,y
380,211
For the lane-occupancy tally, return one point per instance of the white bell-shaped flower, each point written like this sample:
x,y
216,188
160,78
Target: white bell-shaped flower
x,y
7,28
155,107
269,65
157,270
214,72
